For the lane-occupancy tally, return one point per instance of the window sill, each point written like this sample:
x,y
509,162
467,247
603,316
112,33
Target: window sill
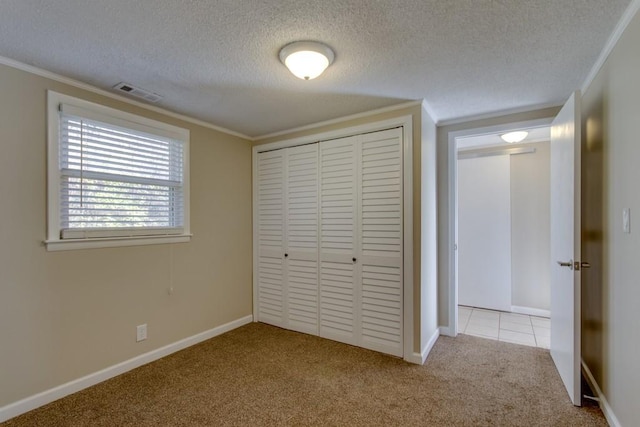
x,y
113,242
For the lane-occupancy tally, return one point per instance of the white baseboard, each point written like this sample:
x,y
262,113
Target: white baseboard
x,y
447,331
32,402
420,358
602,400
530,311
414,358
427,349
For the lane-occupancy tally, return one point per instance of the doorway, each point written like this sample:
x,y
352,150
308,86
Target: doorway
x,y
498,233
532,331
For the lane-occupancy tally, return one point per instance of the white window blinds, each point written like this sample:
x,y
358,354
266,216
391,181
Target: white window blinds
x,y
117,178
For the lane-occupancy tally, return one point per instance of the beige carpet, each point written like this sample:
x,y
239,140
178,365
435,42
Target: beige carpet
x,y
259,375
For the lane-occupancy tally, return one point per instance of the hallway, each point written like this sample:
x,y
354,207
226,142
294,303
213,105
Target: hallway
x,y
507,327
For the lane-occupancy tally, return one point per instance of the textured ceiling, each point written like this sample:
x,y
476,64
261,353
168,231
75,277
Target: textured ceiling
x,y
218,60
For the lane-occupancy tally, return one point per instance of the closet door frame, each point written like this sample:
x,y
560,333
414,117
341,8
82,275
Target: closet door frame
x,y
407,149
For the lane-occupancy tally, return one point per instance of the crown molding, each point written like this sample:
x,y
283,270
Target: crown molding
x,y
495,114
85,86
427,107
340,119
624,21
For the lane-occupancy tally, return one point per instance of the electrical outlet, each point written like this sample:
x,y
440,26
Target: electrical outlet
x,y
141,332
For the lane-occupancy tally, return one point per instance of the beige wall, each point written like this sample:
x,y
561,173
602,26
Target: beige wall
x,y
67,314
416,113
611,288
443,194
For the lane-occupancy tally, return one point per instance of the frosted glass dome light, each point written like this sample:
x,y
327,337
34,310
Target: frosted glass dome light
x,y
306,60
513,137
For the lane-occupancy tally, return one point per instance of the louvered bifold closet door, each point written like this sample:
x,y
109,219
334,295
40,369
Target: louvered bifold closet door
x,y
302,238
381,244
338,240
271,238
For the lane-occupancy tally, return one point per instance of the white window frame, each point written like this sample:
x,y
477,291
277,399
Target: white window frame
x,y
54,241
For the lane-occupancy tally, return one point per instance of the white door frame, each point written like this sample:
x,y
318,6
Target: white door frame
x,y
406,122
452,196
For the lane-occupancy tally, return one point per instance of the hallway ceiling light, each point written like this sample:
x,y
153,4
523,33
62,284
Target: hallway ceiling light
x,y
306,59
513,137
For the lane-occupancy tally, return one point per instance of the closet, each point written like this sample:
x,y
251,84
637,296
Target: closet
x,y
329,235
288,238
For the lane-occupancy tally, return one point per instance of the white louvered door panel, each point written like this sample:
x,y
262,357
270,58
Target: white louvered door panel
x,y
381,242
302,238
338,240
271,238
335,209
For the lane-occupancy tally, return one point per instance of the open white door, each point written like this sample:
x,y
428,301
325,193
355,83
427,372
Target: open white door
x,y
565,245
484,227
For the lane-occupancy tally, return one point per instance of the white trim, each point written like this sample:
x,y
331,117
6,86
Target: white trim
x,y
495,114
474,153
452,162
607,410
415,358
85,86
502,128
54,242
341,119
427,107
113,242
32,402
624,21
427,348
334,134
446,331
406,122
407,196
254,222
78,107
530,311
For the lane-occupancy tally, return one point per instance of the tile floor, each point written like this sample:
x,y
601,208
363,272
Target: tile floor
x,y
509,327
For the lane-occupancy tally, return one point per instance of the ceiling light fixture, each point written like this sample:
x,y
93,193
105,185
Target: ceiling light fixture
x,y
513,137
306,59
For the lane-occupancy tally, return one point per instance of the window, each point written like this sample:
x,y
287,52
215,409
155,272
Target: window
x,y
115,179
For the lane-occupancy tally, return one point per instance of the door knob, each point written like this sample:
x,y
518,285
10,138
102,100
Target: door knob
x,y
581,265
286,255
354,259
566,264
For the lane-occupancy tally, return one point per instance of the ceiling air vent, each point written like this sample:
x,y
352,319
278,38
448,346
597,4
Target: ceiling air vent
x,y
137,92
